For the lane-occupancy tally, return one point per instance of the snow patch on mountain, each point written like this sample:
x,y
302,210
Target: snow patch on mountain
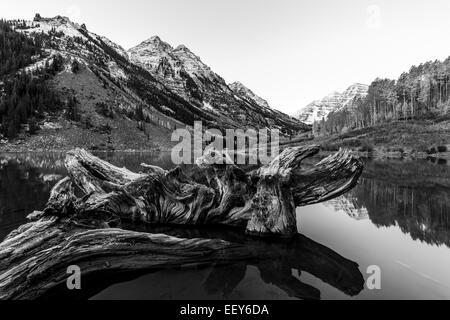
x,y
57,24
64,27
116,47
177,83
150,53
115,71
184,73
208,106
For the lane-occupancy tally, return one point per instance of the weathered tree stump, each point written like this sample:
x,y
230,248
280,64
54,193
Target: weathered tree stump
x,y
263,200
87,231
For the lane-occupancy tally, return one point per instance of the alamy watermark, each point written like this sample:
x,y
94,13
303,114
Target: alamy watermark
x,y
73,282
230,146
373,282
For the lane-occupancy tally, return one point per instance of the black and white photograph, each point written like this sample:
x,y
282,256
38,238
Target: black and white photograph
x,y
224,156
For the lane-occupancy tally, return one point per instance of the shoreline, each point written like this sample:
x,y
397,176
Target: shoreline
x,y
367,155
399,155
90,150
27,148
379,152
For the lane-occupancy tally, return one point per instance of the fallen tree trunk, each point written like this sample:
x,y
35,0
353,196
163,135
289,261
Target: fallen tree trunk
x,y
87,231
263,200
35,258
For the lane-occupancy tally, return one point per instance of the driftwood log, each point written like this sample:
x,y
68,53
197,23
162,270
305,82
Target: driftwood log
x,y
263,201
88,231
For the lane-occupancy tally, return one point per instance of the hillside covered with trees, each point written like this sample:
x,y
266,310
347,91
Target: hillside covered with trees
x,y
422,93
25,95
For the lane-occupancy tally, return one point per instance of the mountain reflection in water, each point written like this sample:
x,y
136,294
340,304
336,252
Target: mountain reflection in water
x,y
408,200
413,195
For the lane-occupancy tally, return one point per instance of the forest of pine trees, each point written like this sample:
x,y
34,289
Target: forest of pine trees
x,y
16,50
423,92
25,96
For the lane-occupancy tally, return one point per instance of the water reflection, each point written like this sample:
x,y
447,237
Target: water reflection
x,y
413,195
288,257
25,183
27,178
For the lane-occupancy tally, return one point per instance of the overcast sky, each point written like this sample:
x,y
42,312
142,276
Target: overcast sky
x,y
290,52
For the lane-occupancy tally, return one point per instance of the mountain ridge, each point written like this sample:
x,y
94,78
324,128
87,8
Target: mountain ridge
x,y
335,101
170,89
185,73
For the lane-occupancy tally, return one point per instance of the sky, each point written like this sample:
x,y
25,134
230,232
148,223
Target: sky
x,y
290,52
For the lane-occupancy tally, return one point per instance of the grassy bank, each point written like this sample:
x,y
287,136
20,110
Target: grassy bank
x,y
418,138
121,136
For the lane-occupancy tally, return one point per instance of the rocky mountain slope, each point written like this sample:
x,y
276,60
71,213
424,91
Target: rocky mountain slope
x,y
118,105
184,72
335,101
134,99
245,92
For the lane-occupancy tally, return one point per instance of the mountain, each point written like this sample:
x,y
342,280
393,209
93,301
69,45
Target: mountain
x,y
349,204
319,109
184,73
110,97
335,101
246,93
105,101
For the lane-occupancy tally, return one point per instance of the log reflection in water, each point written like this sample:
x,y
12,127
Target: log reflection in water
x,y
276,261
286,256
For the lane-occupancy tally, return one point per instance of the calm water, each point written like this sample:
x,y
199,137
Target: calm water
x,y
396,218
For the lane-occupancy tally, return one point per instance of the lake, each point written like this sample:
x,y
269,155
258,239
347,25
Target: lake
x,y
397,218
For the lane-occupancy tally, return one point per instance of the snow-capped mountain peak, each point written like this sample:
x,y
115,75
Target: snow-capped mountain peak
x,y
192,62
183,72
155,39
320,109
59,24
156,43
242,90
183,48
170,86
65,28
176,67
151,47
